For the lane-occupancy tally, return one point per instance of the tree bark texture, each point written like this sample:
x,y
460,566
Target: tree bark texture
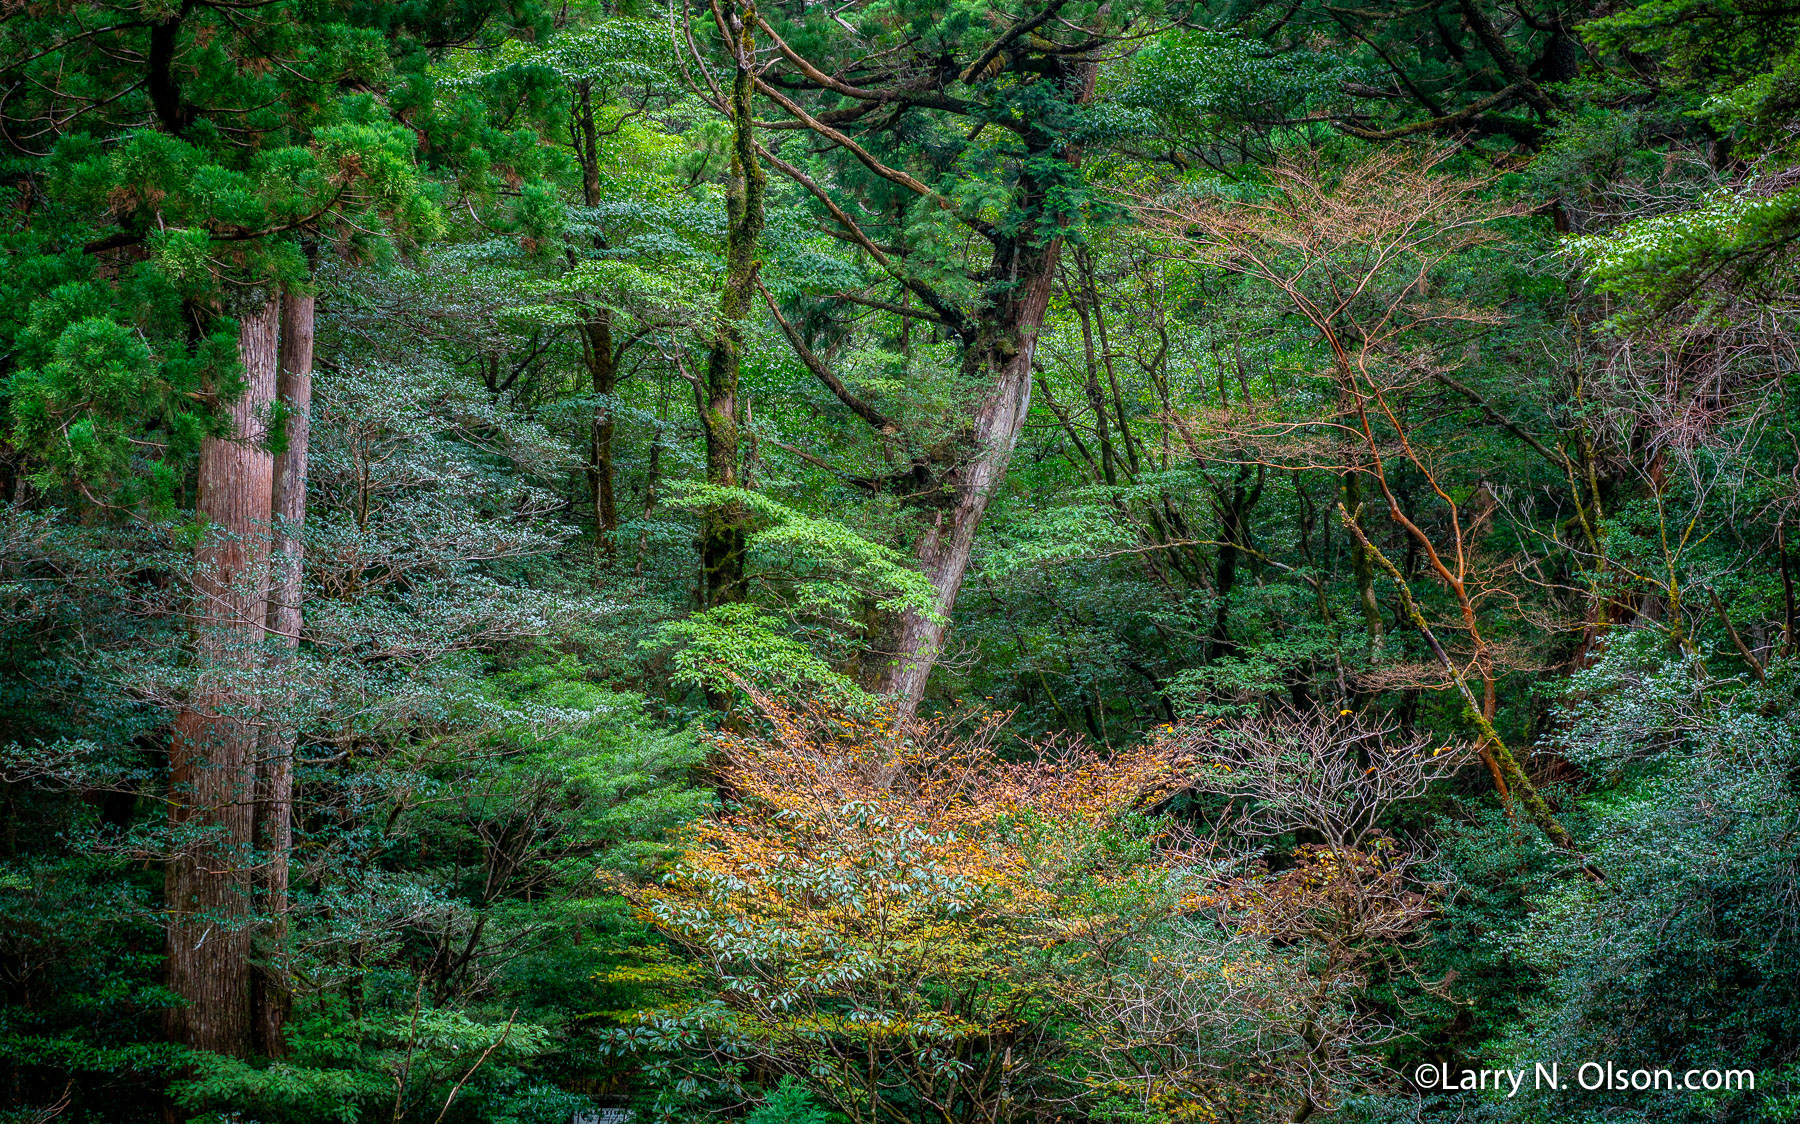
x,y
722,526
214,751
274,809
1017,288
1362,568
597,345
945,545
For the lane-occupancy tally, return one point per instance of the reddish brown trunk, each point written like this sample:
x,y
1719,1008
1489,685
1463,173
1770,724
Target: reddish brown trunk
x,y
602,360
274,809
212,757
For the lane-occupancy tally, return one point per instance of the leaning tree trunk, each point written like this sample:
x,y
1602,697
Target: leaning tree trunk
x,y
723,535
275,803
212,757
1019,282
944,547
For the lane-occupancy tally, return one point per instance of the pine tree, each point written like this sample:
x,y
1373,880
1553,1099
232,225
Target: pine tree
x,y
209,141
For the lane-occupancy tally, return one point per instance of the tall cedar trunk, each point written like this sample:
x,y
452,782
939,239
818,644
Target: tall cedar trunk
x,y
597,343
213,753
274,808
944,547
722,526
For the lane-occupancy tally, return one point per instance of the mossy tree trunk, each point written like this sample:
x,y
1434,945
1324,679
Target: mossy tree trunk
x,y
723,534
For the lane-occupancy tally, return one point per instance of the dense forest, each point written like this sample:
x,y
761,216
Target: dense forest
x,y
886,562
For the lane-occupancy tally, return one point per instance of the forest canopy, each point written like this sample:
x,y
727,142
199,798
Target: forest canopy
x,y
891,562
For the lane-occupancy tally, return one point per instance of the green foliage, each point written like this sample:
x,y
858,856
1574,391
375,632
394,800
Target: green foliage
x,y
1213,93
728,644
348,1069
526,881
833,569
789,1103
1745,238
1682,955
84,403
